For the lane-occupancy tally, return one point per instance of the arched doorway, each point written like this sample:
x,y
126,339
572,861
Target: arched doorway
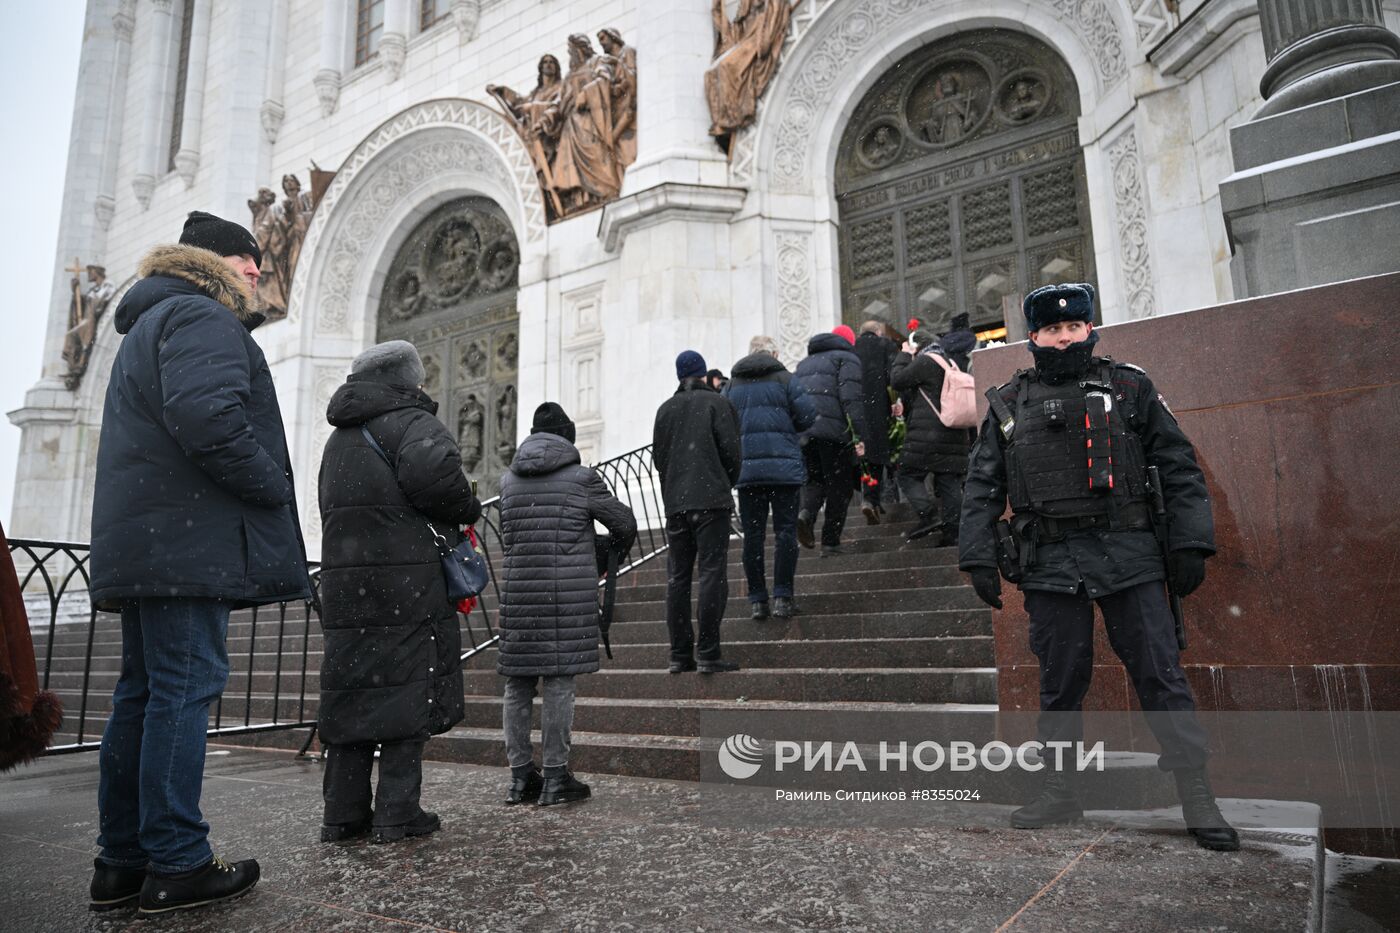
x,y
451,292
960,185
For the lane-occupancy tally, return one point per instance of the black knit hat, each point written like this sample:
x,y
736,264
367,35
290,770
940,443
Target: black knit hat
x,y
1051,304
220,236
550,418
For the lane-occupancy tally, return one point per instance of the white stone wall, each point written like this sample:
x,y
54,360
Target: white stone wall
x,y
699,252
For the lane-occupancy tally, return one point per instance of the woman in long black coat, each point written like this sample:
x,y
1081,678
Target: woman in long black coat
x,y
390,675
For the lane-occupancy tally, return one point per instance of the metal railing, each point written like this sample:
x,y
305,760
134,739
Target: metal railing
x,y
79,653
77,666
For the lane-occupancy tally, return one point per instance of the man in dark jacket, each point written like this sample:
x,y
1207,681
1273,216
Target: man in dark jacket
x,y
391,483
876,354
695,446
773,411
1084,525
931,448
549,597
194,514
831,375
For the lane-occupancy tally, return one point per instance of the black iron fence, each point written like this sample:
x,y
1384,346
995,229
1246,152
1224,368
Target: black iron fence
x,y
274,650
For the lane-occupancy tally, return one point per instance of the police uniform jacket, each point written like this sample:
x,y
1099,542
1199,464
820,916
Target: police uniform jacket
x,y
1104,560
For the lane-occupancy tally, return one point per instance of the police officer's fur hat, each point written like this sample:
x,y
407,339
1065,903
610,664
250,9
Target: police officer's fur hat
x,y
395,362
1050,304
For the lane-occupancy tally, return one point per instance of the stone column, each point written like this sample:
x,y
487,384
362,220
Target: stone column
x,y
273,111
192,118
1315,196
123,23
393,44
333,54
1321,49
157,100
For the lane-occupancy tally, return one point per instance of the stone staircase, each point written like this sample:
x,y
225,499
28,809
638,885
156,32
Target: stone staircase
x,y
889,629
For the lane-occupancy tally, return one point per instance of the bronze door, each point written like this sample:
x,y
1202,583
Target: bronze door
x,y
451,293
960,185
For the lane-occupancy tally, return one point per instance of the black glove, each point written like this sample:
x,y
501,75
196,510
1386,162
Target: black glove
x,y
987,582
1188,570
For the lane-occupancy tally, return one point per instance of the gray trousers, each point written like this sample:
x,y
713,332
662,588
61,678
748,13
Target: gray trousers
x,y
556,720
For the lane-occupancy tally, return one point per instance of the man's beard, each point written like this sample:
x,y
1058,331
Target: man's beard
x,y
1056,365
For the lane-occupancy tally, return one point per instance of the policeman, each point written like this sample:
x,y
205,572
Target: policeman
x,y
1070,442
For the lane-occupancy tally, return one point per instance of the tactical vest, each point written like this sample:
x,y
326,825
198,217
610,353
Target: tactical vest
x,y
1072,449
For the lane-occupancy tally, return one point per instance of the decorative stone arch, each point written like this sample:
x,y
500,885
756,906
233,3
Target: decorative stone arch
x,y
413,163
835,52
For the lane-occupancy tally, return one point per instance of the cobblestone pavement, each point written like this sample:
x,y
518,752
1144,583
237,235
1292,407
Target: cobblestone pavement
x,y
641,855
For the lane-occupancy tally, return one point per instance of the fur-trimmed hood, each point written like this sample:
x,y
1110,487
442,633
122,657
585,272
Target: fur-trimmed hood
x,y
168,271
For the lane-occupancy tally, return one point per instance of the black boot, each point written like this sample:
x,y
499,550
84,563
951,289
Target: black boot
x,y
209,884
760,611
563,788
948,537
114,887
784,607
1057,803
424,824
525,786
806,533
1203,818
928,524
344,832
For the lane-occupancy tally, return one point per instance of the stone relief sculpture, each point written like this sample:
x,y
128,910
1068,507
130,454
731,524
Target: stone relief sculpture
x,y
471,432
747,49
581,128
505,424
85,310
280,229
951,113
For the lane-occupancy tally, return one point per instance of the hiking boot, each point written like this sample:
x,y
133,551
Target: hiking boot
x,y
211,883
114,887
525,788
1203,818
344,832
424,824
682,667
784,607
760,610
1057,803
805,534
718,667
563,788
871,513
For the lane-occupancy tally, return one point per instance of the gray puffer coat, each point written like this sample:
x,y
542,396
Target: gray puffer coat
x,y
549,585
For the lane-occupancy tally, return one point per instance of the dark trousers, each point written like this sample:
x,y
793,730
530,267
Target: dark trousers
x,y
830,481
754,502
1143,635
345,784
947,486
703,535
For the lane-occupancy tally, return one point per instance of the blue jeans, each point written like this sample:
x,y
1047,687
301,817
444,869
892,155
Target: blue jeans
x,y
174,664
753,515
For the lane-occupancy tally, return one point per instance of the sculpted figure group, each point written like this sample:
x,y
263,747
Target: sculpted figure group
x,y
280,229
747,49
580,127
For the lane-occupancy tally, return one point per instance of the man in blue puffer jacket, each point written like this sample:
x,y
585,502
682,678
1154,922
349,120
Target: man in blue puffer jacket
x,y
773,411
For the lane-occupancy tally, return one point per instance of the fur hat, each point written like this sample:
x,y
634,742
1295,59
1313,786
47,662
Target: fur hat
x,y
550,418
219,236
1051,304
395,362
690,365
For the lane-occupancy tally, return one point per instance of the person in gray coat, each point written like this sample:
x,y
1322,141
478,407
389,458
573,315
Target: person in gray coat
x,y
549,597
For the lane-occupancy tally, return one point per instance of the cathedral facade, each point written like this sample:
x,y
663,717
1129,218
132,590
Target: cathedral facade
x,y
552,198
